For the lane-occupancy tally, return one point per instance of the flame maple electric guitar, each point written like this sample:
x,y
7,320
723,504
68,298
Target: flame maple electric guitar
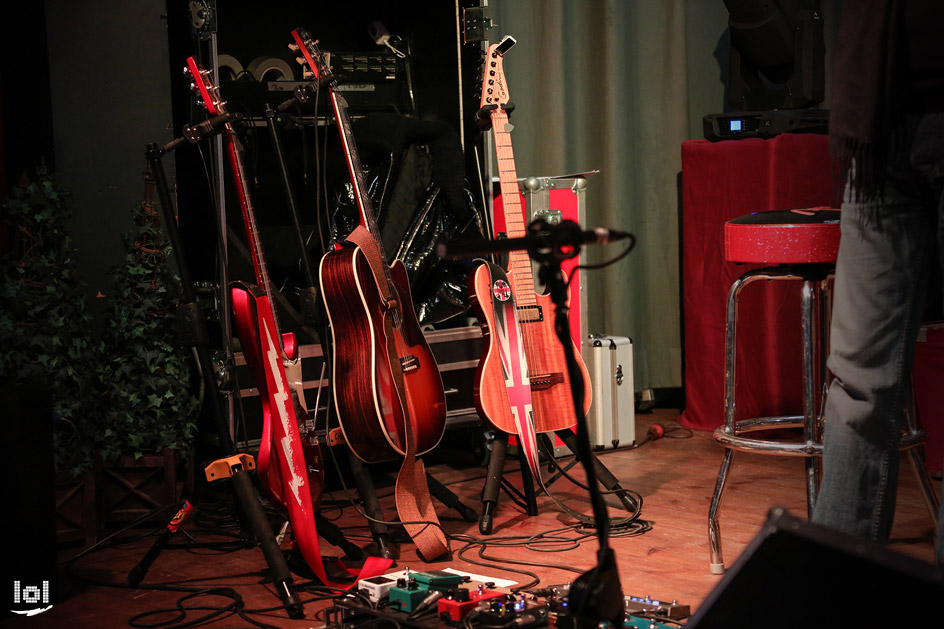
x,y
386,384
289,461
522,385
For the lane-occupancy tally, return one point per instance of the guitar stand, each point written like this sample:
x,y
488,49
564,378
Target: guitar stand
x,y
495,479
194,333
445,496
364,482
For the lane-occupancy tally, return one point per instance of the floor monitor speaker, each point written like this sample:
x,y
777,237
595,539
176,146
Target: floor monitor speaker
x,y
795,573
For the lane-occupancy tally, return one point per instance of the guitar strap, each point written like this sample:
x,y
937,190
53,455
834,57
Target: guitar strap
x,y
414,503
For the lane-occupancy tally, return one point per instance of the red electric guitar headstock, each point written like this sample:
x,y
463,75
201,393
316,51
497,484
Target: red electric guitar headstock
x,y
494,87
312,59
202,84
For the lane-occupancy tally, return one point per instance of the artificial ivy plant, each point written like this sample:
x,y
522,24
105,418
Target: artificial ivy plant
x,y
45,328
147,377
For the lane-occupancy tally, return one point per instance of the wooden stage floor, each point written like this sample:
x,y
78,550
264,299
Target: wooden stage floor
x,y
675,477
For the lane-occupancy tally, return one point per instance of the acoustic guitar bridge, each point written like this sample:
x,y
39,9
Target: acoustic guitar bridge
x,y
541,382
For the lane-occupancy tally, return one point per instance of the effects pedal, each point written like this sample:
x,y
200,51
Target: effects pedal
x,y
512,610
377,588
648,605
411,590
438,580
459,602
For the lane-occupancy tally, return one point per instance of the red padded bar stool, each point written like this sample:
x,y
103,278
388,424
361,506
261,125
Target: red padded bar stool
x,y
799,245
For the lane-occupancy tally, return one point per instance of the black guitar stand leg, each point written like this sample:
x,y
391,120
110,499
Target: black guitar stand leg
x,y
606,478
493,481
553,467
386,547
448,498
334,536
194,333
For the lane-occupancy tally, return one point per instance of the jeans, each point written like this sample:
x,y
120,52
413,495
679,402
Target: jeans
x,y
885,255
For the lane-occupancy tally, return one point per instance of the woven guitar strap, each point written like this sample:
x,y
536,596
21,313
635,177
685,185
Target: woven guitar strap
x,y
414,503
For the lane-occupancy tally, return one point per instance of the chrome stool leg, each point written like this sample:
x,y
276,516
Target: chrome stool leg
x,y
809,392
730,335
913,439
714,531
813,298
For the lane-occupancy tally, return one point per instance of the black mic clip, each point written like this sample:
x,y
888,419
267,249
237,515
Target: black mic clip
x,y
559,241
302,94
195,133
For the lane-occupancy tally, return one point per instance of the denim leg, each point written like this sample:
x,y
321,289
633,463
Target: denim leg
x,y
878,306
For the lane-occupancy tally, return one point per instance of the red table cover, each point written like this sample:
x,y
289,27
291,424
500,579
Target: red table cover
x,y
722,181
928,376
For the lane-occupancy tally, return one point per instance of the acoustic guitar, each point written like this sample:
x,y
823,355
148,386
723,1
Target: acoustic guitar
x,y
383,372
522,384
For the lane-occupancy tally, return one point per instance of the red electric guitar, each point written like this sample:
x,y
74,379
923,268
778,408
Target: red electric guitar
x,y
522,378
384,373
289,461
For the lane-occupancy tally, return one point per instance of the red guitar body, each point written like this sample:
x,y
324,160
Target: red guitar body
x,y
257,335
365,394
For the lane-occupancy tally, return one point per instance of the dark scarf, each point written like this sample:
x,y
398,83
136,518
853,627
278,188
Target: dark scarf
x,y
869,71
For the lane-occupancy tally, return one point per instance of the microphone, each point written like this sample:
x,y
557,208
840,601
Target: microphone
x,y
602,236
560,241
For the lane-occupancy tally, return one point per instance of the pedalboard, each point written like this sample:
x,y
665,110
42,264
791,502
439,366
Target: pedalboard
x,y
440,599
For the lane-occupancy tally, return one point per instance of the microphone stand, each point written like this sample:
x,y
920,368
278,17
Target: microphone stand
x,y
595,596
194,333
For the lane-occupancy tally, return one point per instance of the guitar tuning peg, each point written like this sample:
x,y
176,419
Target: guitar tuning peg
x,y
301,61
308,74
293,47
193,87
186,70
